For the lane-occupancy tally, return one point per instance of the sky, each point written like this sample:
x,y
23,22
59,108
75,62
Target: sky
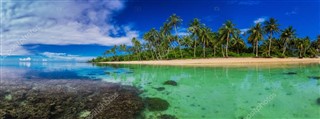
x,y
83,29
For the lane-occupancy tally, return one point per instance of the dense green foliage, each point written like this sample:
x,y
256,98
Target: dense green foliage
x,y
202,42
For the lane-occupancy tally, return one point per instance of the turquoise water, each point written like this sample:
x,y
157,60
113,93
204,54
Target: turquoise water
x,y
289,91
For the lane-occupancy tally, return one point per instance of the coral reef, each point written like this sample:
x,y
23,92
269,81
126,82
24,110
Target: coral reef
x,y
69,99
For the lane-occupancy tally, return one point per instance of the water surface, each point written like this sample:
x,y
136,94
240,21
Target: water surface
x,y
202,92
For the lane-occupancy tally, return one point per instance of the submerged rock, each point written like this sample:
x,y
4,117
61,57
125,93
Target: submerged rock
x,y
291,73
156,104
70,99
314,77
167,116
160,89
318,101
170,82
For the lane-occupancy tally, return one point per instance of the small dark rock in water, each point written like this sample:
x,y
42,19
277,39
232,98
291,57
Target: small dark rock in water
x,y
318,101
170,82
203,108
167,116
156,104
160,88
314,77
108,72
291,73
129,72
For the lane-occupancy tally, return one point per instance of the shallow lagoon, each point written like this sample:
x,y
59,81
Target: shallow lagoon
x,y
289,91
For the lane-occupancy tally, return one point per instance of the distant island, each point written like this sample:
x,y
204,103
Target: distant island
x,y
201,42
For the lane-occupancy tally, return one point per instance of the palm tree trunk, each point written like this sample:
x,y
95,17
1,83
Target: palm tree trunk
x,y
204,50
257,48
304,51
253,47
300,53
194,49
175,27
284,48
222,50
214,51
238,51
270,41
227,46
152,54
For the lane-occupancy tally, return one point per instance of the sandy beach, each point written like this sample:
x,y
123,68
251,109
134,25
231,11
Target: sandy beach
x,y
225,62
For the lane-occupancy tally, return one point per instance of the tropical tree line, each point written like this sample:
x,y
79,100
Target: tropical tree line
x,y
202,42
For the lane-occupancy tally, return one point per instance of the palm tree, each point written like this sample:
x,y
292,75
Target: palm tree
x,y
123,48
194,28
214,41
153,39
299,44
318,43
136,47
226,32
256,34
238,42
306,45
166,37
287,35
271,27
175,21
205,37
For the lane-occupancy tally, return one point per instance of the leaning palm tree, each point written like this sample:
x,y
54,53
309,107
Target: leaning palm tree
x,y
286,35
175,21
226,32
256,34
271,27
194,28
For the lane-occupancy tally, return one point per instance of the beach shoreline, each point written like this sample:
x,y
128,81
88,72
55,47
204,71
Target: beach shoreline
x,y
223,62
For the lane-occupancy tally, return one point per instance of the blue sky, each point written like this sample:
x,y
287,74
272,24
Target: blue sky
x,y
82,29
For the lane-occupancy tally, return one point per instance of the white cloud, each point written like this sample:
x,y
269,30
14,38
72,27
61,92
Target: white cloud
x,y
243,31
259,20
61,23
182,32
65,57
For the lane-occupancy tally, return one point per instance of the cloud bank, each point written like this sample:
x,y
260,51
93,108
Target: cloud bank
x,y
61,23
